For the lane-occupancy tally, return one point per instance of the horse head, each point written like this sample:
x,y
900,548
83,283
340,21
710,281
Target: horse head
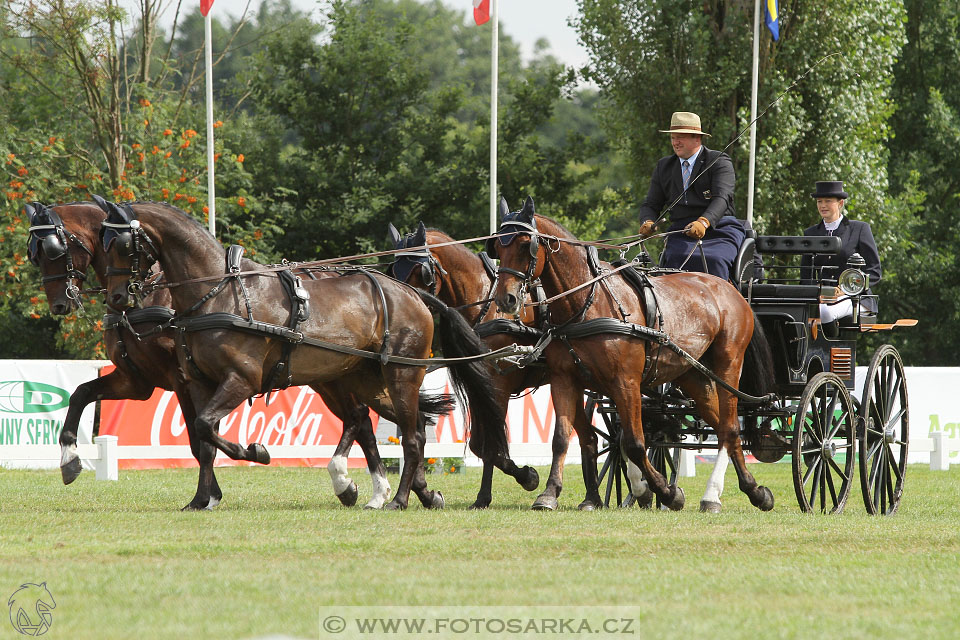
x,y
130,254
522,255
60,254
417,267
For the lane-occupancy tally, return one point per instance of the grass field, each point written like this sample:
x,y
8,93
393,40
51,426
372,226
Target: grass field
x,y
123,562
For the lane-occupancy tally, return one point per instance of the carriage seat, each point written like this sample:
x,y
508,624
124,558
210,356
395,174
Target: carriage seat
x,y
747,265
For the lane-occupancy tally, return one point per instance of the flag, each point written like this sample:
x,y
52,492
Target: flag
x,y
205,7
481,11
772,17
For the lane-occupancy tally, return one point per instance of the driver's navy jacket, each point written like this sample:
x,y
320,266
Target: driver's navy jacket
x,y
856,237
710,195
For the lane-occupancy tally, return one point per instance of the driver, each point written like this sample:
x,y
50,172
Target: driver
x,y
700,181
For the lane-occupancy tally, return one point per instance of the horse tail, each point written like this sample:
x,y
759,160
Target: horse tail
x,y
434,405
472,380
757,376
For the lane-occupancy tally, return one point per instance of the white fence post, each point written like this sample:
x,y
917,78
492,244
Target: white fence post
x,y
688,463
940,456
108,467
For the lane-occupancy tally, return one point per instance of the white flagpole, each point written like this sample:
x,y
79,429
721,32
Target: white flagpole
x,y
494,55
211,196
753,110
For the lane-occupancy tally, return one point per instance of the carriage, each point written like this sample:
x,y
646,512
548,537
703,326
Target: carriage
x,y
817,417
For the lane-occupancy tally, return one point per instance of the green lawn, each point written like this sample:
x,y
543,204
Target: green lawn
x,y
122,561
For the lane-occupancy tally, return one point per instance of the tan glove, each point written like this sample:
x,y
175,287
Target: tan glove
x,y
698,228
647,229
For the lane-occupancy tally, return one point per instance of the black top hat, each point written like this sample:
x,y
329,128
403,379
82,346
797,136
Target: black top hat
x,y
830,189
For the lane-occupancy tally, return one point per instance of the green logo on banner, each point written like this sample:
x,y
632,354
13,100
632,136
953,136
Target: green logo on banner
x,y
24,396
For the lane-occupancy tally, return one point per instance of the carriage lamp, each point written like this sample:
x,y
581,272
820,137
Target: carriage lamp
x,y
853,281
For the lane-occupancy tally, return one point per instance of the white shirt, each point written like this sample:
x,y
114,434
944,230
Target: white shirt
x,y
832,226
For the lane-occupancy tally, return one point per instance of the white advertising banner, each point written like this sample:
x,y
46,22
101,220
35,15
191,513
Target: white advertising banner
x,y
34,395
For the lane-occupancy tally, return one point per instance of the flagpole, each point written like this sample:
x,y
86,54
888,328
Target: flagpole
x,y
494,55
753,110
211,196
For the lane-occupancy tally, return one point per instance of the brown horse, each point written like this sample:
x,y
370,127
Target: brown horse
x,y
64,242
458,276
233,338
703,315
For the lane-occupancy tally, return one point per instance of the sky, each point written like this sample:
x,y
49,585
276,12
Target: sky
x,y
524,20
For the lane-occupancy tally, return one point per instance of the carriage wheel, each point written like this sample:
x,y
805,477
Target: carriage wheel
x,y
884,437
824,422
614,469
665,460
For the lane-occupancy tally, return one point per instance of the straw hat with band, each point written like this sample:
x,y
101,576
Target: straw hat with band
x,y
685,122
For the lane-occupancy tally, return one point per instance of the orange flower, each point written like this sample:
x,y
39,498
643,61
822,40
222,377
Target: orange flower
x,y
218,124
140,156
393,439
177,196
183,178
186,143
431,461
189,133
11,156
135,145
167,154
167,132
22,171
156,150
166,193
51,140
35,316
240,157
242,201
206,209
34,300
81,186
216,157
191,199
15,184
453,469
144,102
129,165
146,123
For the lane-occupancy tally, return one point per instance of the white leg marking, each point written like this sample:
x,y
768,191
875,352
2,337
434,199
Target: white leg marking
x,y
638,485
715,483
68,455
338,474
381,491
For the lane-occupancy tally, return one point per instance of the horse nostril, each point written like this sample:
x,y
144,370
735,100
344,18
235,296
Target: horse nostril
x,y
59,309
119,299
511,301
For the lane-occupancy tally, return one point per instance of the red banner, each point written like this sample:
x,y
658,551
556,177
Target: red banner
x,y
295,416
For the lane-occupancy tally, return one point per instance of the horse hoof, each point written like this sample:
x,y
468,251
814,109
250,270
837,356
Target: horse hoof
x,y
763,499
437,502
644,501
258,453
393,505
531,480
479,504
676,504
587,505
71,470
628,502
709,506
197,507
348,497
545,503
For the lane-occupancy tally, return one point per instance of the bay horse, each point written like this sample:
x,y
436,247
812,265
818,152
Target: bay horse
x,y
702,314
370,339
64,242
458,276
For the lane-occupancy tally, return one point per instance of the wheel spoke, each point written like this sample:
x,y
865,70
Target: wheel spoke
x,y
603,470
840,472
872,451
896,418
816,483
893,461
813,467
604,450
606,436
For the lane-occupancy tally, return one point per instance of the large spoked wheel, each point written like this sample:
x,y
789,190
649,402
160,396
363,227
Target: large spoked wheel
x,y
664,459
885,434
824,445
614,468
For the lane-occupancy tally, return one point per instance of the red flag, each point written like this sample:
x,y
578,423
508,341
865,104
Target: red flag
x,y
481,11
205,7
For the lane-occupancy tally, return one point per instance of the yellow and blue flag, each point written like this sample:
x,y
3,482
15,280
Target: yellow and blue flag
x,y
772,17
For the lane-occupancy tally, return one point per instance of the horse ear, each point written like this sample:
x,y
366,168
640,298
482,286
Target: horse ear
x,y
100,202
504,208
528,210
394,235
